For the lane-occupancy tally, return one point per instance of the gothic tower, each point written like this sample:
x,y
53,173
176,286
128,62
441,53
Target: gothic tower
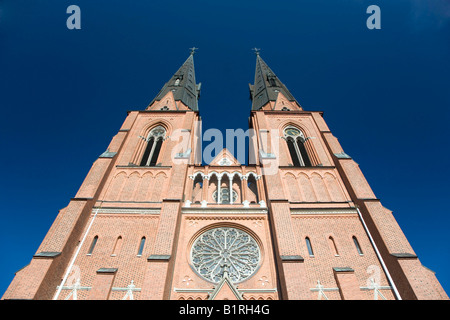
x,y
151,221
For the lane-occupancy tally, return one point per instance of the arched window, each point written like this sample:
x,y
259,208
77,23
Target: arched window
x,y
154,142
272,82
178,78
333,246
296,144
271,78
141,246
358,248
308,245
197,189
117,246
93,243
252,194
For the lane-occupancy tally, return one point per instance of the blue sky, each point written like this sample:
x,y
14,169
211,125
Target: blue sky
x,y
65,93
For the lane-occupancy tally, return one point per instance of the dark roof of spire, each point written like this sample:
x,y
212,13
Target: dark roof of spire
x,y
183,85
266,85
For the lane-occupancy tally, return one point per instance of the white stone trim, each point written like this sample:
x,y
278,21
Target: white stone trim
x,y
140,211
209,210
324,211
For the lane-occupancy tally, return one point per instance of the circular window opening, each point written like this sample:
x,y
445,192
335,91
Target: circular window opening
x,y
225,248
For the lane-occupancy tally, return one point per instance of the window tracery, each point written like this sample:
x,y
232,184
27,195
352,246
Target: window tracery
x,y
225,249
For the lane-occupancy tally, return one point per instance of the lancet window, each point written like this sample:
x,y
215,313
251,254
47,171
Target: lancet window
x,y
155,140
296,144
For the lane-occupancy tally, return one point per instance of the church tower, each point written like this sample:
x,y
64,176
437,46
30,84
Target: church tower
x,y
151,221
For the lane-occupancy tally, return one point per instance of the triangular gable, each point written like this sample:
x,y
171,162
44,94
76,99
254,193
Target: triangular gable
x,y
225,158
166,103
283,104
225,290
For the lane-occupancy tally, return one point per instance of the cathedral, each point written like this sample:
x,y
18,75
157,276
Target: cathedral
x,y
298,221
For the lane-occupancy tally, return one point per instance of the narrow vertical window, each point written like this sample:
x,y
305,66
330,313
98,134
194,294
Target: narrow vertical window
x,y
308,245
117,246
253,190
197,189
94,242
333,246
293,152
358,248
155,154
303,153
148,149
141,246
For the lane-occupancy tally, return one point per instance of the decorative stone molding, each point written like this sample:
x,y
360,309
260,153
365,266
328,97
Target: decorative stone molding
x,y
218,210
223,218
324,211
139,211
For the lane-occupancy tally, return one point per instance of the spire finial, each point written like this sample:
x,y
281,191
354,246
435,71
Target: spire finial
x,y
193,50
256,51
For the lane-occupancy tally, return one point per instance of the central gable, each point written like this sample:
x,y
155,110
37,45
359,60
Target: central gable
x,y
224,158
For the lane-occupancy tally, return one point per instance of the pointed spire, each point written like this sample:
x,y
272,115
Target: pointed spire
x,y
267,85
183,84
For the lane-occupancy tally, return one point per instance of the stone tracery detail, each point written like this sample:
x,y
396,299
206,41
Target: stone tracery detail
x,y
225,248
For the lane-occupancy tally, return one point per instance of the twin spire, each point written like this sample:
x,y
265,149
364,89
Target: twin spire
x,y
183,85
264,93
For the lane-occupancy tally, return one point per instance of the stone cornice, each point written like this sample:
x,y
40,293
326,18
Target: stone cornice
x,y
218,210
324,211
138,211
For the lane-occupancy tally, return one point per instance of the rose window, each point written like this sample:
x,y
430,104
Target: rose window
x,y
229,249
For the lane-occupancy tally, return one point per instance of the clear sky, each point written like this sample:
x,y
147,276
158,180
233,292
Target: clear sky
x,y
65,93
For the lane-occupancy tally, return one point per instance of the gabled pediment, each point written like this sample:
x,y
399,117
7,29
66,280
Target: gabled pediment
x,y
225,290
283,104
165,104
225,158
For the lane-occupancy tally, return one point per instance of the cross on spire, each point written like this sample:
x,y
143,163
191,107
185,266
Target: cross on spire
x,y
193,50
262,91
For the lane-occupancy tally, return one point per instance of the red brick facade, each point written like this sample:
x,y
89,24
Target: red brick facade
x,y
316,231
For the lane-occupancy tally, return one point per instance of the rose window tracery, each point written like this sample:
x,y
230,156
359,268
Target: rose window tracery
x,y
225,248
